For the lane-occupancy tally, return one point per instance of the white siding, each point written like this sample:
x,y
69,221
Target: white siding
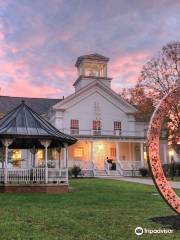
x,y
84,111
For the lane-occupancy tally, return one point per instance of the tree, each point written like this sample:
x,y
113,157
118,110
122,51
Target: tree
x,y
142,101
162,73
159,76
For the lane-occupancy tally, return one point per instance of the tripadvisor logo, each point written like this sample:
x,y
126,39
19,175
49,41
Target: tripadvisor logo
x,y
139,231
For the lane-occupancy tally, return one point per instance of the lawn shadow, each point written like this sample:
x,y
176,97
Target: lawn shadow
x,y
173,222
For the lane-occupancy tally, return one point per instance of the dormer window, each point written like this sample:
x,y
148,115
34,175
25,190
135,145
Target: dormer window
x,y
74,126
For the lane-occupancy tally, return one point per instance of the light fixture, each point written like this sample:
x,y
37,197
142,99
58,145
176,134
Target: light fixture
x,y
171,152
145,155
100,147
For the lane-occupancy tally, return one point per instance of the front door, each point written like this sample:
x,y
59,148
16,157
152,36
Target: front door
x,y
99,152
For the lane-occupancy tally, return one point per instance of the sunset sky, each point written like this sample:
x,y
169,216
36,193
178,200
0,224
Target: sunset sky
x,y
41,39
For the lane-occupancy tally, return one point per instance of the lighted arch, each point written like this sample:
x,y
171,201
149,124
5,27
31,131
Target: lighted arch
x,y
159,178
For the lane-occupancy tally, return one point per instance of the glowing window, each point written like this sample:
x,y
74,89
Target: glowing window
x,y
113,152
16,155
78,152
40,154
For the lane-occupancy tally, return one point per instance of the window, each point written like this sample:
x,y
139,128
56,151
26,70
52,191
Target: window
x,y
96,127
16,157
40,154
113,152
40,157
117,128
78,152
74,126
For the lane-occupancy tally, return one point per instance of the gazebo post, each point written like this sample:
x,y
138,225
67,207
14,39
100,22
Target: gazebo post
x,y
46,144
6,143
46,163
6,163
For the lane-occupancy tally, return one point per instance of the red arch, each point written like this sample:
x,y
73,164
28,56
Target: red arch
x,y
154,161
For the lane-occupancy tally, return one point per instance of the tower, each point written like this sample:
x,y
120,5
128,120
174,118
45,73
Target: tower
x,y
89,68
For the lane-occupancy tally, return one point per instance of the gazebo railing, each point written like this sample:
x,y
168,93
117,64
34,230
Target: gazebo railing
x,y
34,175
1,175
38,174
18,175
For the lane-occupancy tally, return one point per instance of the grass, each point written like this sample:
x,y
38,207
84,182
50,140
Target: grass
x,y
96,210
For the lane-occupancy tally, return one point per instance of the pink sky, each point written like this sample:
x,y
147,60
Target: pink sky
x,y
37,55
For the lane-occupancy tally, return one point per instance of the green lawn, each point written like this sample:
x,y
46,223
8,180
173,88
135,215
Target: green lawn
x,y
96,210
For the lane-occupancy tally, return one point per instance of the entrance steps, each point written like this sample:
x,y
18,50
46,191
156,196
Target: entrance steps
x,y
103,173
100,173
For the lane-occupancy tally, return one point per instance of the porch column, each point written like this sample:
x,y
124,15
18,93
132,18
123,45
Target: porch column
x,y
117,152
92,156
165,152
142,154
91,152
6,143
65,155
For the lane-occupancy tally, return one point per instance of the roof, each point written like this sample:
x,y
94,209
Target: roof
x,y
75,97
94,56
39,105
24,123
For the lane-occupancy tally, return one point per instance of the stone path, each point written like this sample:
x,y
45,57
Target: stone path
x,y
144,181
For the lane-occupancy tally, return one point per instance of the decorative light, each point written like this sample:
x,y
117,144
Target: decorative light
x,y
145,155
100,147
40,154
171,152
16,154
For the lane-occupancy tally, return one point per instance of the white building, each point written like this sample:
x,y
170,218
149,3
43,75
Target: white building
x,y
101,120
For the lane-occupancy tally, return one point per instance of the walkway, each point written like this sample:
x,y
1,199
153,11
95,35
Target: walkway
x,y
143,181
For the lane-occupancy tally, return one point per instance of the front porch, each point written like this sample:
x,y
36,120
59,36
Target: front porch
x,y
105,157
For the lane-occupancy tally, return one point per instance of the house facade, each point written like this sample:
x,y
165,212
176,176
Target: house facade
x,y
110,140
103,123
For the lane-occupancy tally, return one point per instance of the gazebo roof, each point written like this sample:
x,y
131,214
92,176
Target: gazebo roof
x,y
26,127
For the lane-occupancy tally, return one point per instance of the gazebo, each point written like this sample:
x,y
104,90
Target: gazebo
x,y
23,128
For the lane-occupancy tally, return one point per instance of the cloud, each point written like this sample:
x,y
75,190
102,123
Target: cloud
x,y
126,68
40,40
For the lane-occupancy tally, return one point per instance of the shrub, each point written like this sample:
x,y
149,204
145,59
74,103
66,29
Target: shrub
x,y
70,172
144,172
75,170
172,169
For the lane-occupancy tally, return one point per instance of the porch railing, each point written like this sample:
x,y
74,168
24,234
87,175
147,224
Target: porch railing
x,y
34,175
105,132
130,165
